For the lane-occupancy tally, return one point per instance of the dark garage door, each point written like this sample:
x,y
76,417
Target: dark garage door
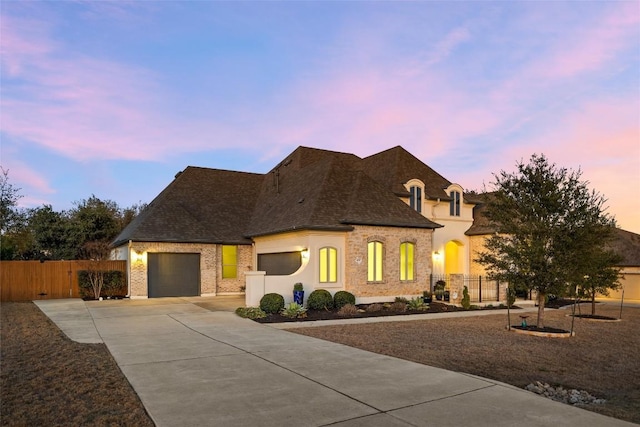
x,y
173,275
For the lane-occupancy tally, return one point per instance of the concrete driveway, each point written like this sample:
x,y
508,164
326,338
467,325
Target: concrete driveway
x,y
196,367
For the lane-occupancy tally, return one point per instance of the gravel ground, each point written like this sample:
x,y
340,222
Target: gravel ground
x,y
48,380
601,359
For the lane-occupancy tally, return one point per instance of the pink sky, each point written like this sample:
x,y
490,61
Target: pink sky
x,y
136,92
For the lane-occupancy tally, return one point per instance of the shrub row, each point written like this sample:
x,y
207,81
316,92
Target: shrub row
x,y
320,299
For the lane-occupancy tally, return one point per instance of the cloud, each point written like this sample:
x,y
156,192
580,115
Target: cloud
x,y
85,107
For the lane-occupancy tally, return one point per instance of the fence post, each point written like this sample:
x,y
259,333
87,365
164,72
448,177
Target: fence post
x,y
479,288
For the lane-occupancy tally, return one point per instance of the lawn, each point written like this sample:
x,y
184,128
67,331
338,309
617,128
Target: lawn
x,y
603,358
46,379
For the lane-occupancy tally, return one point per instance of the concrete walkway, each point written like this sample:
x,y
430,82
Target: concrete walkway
x,y
196,367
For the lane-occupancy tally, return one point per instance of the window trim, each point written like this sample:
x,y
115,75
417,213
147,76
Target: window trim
x,y
409,270
331,252
378,261
454,203
415,201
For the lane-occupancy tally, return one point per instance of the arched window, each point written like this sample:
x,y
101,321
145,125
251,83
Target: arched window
x,y
407,264
374,261
416,198
328,265
454,204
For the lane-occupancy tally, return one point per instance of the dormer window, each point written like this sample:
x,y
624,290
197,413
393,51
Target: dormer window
x,y
454,204
416,198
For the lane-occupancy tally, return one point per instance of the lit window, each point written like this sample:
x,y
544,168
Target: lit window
x,y
229,262
416,198
328,265
374,261
454,204
407,251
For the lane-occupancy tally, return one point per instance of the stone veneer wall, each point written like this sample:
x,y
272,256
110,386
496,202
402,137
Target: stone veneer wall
x,y
211,282
392,237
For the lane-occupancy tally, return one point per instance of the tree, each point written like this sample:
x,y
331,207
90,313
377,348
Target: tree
x,y
14,238
9,196
96,220
95,254
52,234
545,220
601,274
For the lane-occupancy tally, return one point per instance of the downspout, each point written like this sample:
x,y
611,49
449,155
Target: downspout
x,y
129,269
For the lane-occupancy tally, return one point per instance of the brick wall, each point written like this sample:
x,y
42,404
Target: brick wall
x,y
392,237
476,245
211,281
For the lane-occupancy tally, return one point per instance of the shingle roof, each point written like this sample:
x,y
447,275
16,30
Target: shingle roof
x,y
309,189
627,245
395,166
317,189
200,205
480,224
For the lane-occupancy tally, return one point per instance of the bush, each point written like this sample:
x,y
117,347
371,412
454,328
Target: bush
x,y
342,298
373,308
466,300
272,303
417,304
250,312
401,299
348,310
113,283
294,310
398,306
320,299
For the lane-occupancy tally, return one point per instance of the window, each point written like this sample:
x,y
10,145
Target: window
x,y
280,263
407,251
416,198
454,204
229,262
374,261
328,265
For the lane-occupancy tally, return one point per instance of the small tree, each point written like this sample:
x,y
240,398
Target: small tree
x,y
96,254
545,218
602,275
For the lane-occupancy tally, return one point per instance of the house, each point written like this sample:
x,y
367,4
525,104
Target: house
x,y
378,227
625,243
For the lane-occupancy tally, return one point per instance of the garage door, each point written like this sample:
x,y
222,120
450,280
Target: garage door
x,y
173,275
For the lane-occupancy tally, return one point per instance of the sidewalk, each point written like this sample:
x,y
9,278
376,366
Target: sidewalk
x,y
194,367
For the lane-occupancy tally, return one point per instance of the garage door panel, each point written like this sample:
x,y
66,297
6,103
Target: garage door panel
x,y
173,274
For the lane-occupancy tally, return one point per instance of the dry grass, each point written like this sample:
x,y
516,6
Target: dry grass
x,y
602,358
47,379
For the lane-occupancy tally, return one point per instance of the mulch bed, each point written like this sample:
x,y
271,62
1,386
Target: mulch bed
x,y
434,307
594,317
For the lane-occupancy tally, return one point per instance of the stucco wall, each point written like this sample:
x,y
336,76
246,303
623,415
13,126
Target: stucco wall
x,y
308,273
392,237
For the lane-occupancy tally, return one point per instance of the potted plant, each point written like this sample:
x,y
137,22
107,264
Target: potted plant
x,y
427,297
439,289
298,293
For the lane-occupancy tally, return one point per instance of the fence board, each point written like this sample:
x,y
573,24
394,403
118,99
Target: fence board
x,y
33,280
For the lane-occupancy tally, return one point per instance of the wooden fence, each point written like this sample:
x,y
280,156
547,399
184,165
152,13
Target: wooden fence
x,y
34,280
